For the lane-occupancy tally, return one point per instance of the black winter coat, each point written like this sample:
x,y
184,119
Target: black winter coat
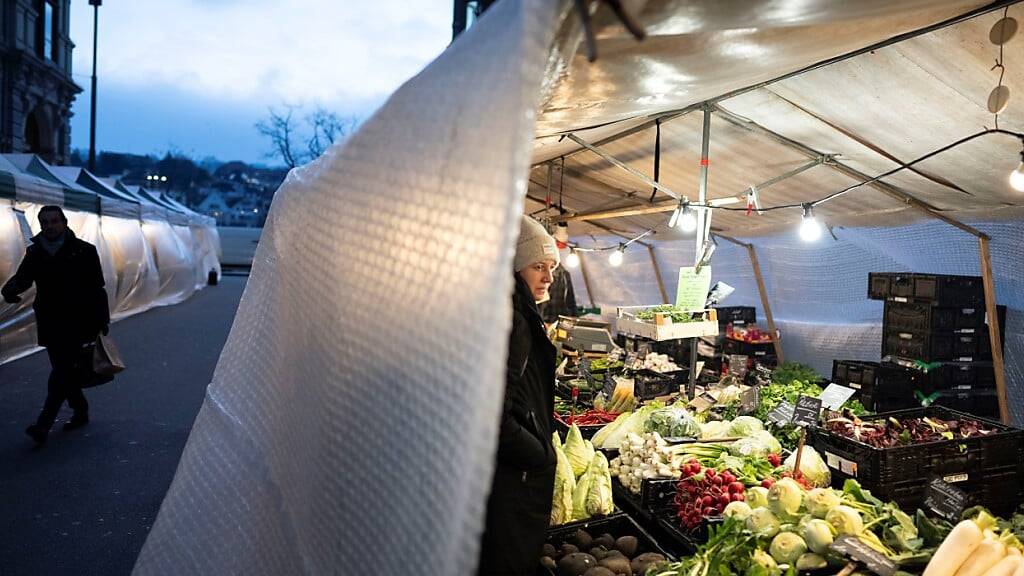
x,y
519,507
70,304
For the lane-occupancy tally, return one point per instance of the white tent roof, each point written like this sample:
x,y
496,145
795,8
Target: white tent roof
x,y
872,111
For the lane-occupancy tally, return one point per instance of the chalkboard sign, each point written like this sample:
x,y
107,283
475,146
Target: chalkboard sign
x,y
945,500
834,396
702,403
782,414
584,369
807,411
854,548
615,355
749,400
632,361
762,374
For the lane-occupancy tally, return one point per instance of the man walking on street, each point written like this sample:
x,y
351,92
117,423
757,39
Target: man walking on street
x,y
70,308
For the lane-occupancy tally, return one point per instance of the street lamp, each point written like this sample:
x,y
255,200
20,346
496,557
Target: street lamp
x,y
92,117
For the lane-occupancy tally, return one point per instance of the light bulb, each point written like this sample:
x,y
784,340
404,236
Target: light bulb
x,y
1017,178
615,258
810,228
674,218
572,260
688,220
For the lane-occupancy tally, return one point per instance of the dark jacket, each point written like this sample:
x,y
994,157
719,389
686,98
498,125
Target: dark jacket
x,y
519,507
70,304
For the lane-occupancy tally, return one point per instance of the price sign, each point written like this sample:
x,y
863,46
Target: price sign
x,y
615,355
703,402
854,548
632,361
807,411
945,500
782,414
834,396
584,370
763,374
749,400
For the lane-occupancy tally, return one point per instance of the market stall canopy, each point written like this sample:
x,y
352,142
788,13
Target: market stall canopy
x,y
76,197
112,202
835,124
19,186
151,209
174,215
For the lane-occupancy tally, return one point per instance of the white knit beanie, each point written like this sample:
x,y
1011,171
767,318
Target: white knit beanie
x,y
534,245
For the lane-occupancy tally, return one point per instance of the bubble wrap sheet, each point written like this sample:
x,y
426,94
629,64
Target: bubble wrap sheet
x,y
351,424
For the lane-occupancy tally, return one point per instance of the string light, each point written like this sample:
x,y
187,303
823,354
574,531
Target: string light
x,y
615,258
683,216
573,259
1017,176
810,228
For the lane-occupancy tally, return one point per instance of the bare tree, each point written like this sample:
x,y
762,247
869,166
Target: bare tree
x,y
280,128
321,129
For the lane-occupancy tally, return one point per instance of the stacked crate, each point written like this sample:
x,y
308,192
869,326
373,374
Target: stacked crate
x,y
716,349
938,321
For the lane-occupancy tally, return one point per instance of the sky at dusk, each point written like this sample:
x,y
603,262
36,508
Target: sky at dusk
x,y
194,76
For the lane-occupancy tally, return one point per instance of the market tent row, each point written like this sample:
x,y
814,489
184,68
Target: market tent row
x,y
400,240
153,251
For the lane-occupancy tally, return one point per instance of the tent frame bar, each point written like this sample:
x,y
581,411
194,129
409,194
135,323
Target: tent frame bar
x,y
769,317
615,161
657,274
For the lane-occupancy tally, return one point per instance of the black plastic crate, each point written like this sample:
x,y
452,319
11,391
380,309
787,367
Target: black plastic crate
x,y
648,384
617,525
736,315
983,403
855,374
897,386
658,495
731,346
922,317
949,347
587,431
936,289
989,468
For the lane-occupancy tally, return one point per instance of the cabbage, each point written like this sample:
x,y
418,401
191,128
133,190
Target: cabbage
x,y
787,547
744,426
811,561
609,428
715,429
785,497
763,523
762,564
769,441
673,422
599,497
738,510
820,500
818,535
845,520
634,424
751,446
577,450
579,495
565,482
757,497
812,467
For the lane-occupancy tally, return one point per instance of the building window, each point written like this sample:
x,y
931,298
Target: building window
x,y
46,27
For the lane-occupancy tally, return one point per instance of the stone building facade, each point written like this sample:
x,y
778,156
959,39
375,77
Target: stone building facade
x,y
36,89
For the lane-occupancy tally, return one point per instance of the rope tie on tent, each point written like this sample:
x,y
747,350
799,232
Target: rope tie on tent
x,y
583,8
657,156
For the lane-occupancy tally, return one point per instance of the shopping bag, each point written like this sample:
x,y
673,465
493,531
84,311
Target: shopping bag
x,y
106,359
86,375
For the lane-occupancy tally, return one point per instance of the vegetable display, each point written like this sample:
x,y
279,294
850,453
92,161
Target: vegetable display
x,y
892,432
974,547
704,492
673,422
677,314
583,554
583,486
585,418
785,530
659,363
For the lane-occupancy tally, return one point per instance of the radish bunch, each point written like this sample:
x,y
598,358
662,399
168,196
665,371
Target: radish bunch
x,y
704,492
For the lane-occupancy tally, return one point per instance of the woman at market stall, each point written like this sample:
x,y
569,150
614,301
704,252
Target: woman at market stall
x,y
519,507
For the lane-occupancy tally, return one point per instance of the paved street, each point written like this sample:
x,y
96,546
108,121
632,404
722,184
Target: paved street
x,y
83,503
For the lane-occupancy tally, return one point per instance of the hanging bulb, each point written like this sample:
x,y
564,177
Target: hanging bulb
x,y
615,258
573,259
1017,176
810,228
688,219
674,218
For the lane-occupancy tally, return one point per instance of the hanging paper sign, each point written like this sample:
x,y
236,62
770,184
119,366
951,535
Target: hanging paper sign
x,y
854,548
945,500
782,414
807,411
702,403
693,287
834,396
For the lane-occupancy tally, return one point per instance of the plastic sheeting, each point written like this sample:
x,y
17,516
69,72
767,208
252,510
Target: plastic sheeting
x,y
174,260
818,292
352,420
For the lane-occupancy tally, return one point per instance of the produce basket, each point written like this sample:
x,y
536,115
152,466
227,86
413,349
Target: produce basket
x,y
920,317
667,330
587,430
989,468
617,525
857,375
756,350
648,384
950,347
983,403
